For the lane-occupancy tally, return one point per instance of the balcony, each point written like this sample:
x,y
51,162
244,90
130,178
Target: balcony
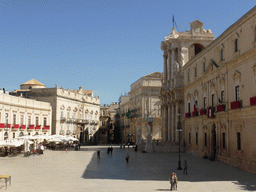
x,y
15,127
38,127
236,104
31,127
203,112
187,115
69,120
221,108
211,111
86,121
23,127
2,125
62,119
253,101
195,113
46,128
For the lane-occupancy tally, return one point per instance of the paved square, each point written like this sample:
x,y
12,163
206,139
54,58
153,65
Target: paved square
x,y
82,171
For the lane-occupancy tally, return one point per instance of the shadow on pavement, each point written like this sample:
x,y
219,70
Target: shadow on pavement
x,y
159,166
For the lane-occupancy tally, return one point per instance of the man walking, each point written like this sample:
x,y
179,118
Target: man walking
x,y
185,167
127,158
98,153
171,180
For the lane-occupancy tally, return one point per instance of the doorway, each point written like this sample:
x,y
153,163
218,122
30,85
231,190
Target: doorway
x,y
214,143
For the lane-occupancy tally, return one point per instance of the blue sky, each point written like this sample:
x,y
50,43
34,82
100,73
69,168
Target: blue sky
x,y
101,45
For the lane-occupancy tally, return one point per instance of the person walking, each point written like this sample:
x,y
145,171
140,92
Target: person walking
x,y
171,180
136,148
175,182
127,158
185,167
98,153
111,150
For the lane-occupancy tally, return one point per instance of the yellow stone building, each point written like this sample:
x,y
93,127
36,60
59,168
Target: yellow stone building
x,y
220,97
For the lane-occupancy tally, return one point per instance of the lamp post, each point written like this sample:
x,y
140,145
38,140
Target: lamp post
x,y
179,129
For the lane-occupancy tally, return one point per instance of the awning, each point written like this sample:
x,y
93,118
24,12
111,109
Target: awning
x,y
9,125
16,126
1,125
23,126
47,127
31,127
38,127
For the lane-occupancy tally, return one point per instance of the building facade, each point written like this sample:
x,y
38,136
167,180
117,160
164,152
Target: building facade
x,y
20,116
144,103
178,49
74,112
220,97
124,101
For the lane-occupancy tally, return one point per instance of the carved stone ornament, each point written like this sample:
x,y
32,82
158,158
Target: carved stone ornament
x,y
254,69
69,108
91,111
195,93
188,96
234,36
75,109
222,79
86,111
237,76
96,112
62,107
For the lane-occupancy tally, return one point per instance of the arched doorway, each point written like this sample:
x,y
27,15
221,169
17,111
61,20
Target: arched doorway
x,y
21,134
194,49
5,135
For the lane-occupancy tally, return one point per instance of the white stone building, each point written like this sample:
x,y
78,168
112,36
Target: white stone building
x,y
21,116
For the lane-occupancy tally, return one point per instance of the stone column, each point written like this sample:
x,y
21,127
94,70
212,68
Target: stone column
x,y
169,68
166,123
169,122
172,63
176,122
165,67
172,125
163,123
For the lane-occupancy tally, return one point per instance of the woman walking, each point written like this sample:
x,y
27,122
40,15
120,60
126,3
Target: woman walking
x,y
171,180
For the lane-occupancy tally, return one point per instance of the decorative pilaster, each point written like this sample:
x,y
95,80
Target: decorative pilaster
x,y
173,63
169,122
165,66
169,65
176,122
172,125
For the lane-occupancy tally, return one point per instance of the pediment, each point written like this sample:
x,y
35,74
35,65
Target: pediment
x,y
86,111
62,107
96,113
91,112
69,108
75,109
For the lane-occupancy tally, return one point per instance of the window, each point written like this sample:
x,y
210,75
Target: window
x,y
189,138
86,116
29,120
61,127
221,55
205,139
195,72
236,45
188,76
238,141
45,121
95,117
204,102
189,107
237,93
103,112
74,127
196,138
61,114
6,119
21,119
13,135
222,96
37,121
212,100
68,114
80,115
68,128
74,115
223,141
203,67
14,118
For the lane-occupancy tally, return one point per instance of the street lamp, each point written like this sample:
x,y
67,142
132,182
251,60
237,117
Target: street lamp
x,y
179,129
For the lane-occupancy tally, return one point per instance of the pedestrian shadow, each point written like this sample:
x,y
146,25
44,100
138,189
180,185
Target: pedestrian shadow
x,y
162,190
158,167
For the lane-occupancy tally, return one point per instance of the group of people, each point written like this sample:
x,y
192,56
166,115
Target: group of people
x,y
110,150
173,179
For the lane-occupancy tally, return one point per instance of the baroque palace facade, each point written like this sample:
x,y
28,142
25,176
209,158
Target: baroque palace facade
x,y
220,97
20,116
217,92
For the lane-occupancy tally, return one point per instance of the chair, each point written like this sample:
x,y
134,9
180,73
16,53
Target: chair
x,y
6,178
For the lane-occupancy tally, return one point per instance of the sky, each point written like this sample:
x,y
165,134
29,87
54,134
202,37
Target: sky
x,y
101,45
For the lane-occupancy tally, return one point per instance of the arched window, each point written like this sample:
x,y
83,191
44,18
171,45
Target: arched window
x,y
195,72
221,55
5,135
236,45
204,67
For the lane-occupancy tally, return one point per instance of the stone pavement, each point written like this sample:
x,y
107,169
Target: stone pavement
x,y
82,171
